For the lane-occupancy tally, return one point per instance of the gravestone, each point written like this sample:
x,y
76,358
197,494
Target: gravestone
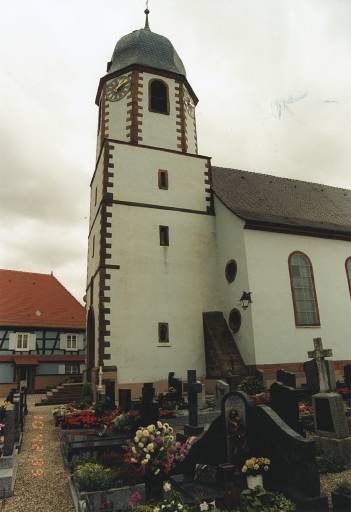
x,y
293,470
222,388
234,417
286,378
330,422
285,402
320,374
149,409
347,375
193,387
10,430
125,399
176,385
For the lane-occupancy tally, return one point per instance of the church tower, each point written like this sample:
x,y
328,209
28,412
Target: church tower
x,y
151,253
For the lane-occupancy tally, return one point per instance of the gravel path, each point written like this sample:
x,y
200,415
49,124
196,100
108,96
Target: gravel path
x,y
42,483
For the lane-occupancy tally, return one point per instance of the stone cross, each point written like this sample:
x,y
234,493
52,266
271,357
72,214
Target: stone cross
x,y
193,387
319,354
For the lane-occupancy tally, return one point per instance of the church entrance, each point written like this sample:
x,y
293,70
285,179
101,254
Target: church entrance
x,y
90,342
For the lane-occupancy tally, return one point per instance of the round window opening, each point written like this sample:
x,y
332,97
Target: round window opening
x,y
235,320
231,269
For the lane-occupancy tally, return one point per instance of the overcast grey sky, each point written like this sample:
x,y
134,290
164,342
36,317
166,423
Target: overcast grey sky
x,y
273,78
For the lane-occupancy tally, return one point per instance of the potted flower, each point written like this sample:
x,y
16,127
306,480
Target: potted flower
x,y
254,469
155,451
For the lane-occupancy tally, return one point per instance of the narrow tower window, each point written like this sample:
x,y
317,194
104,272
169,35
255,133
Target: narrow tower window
x,y
164,235
163,179
93,250
163,333
303,290
158,97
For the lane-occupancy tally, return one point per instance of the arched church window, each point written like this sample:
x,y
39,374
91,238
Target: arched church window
x,y
348,271
303,290
231,270
158,97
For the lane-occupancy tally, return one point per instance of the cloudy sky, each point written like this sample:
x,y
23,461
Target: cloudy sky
x,y
273,78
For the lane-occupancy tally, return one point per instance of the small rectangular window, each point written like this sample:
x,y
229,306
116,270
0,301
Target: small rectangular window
x,y
22,341
163,179
72,368
95,200
164,235
93,250
71,342
163,333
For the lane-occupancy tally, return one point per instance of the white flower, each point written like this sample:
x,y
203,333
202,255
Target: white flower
x,y
180,506
203,506
145,433
151,428
157,509
159,424
162,448
167,486
140,445
144,461
147,456
157,471
133,449
150,447
171,438
138,433
133,460
136,439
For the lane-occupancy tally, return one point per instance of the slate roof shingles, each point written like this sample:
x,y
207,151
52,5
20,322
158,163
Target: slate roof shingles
x,y
269,199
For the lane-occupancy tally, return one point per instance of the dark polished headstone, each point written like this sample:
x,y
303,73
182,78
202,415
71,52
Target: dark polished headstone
x,y
10,431
149,409
285,402
347,374
125,399
286,378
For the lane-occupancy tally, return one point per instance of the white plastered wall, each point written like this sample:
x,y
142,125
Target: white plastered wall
x,y
159,129
277,339
136,178
231,246
174,284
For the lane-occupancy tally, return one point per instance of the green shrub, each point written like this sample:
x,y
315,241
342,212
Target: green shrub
x,y
332,464
260,500
344,487
92,477
251,385
82,460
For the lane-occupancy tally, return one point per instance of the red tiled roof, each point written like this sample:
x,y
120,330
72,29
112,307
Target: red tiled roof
x,y
37,300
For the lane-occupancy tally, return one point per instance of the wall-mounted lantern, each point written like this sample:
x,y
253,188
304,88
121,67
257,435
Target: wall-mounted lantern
x,y
245,300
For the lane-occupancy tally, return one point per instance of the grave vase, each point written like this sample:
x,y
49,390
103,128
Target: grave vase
x,y
154,486
254,481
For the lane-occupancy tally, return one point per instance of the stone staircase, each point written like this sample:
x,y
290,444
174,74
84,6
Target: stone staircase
x,y
63,394
223,358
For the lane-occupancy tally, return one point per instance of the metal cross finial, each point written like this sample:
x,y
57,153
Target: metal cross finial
x,y
147,12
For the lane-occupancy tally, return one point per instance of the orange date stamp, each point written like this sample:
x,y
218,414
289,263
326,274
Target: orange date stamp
x,y
38,447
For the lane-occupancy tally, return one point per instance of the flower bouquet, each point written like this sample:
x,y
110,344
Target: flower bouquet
x,y
156,452
253,469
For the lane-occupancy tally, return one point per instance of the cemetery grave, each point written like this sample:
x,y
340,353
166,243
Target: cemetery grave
x,y
12,418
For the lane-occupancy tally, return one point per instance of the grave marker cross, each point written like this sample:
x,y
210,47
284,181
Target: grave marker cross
x,y
193,388
319,354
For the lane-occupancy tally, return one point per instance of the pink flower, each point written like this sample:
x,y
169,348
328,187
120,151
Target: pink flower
x,y
136,496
